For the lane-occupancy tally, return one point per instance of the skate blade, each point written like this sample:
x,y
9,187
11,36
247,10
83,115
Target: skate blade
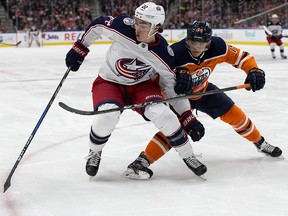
x,y
199,155
277,158
269,156
203,177
91,178
129,173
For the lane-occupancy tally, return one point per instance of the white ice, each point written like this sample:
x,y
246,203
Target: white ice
x,y
51,180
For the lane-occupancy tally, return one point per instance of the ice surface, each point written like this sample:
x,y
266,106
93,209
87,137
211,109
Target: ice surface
x,y
51,180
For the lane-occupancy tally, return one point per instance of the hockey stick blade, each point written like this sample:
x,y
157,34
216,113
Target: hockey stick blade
x,y
6,44
7,183
133,106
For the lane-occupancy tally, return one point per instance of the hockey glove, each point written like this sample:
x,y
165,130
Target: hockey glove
x,y
256,78
192,126
76,55
183,81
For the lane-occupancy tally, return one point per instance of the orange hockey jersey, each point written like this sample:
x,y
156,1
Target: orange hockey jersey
x,y
202,67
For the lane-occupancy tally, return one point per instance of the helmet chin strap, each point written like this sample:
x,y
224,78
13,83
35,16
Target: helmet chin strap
x,y
151,33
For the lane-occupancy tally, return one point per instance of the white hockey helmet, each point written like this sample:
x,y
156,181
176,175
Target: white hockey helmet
x,y
151,13
274,16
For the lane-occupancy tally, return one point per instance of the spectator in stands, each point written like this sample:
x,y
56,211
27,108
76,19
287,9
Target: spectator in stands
x,y
50,15
54,15
2,27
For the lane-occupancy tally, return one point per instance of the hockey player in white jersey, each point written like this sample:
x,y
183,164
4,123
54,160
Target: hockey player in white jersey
x,y
137,69
34,35
275,27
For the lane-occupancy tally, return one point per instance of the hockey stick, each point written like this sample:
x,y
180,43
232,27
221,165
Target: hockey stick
x,y
8,181
267,30
133,106
6,44
285,36
262,13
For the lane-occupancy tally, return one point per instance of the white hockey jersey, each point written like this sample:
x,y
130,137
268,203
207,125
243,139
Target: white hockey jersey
x,y
276,29
129,61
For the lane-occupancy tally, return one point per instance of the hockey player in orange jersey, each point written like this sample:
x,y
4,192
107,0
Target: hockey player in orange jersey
x,y
196,56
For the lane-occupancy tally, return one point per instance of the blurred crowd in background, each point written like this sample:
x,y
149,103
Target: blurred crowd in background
x,y
49,15
60,15
224,13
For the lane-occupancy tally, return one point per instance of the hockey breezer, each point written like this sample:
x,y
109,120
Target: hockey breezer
x,y
134,106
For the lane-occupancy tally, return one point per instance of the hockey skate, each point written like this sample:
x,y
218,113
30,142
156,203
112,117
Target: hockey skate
x,y
268,149
196,166
138,169
283,56
273,55
93,162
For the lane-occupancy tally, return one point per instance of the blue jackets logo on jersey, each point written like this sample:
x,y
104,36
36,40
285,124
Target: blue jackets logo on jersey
x,y
132,68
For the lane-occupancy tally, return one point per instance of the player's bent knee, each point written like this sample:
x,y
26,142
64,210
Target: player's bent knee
x,y
233,116
104,124
163,118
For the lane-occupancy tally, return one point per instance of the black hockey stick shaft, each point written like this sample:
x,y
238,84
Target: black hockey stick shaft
x,y
11,44
8,181
133,106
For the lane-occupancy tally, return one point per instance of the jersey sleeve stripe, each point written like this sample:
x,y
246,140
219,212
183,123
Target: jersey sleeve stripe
x,y
93,28
238,59
245,59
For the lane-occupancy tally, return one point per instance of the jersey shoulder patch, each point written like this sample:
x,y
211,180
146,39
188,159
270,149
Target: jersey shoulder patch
x,y
128,21
170,51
